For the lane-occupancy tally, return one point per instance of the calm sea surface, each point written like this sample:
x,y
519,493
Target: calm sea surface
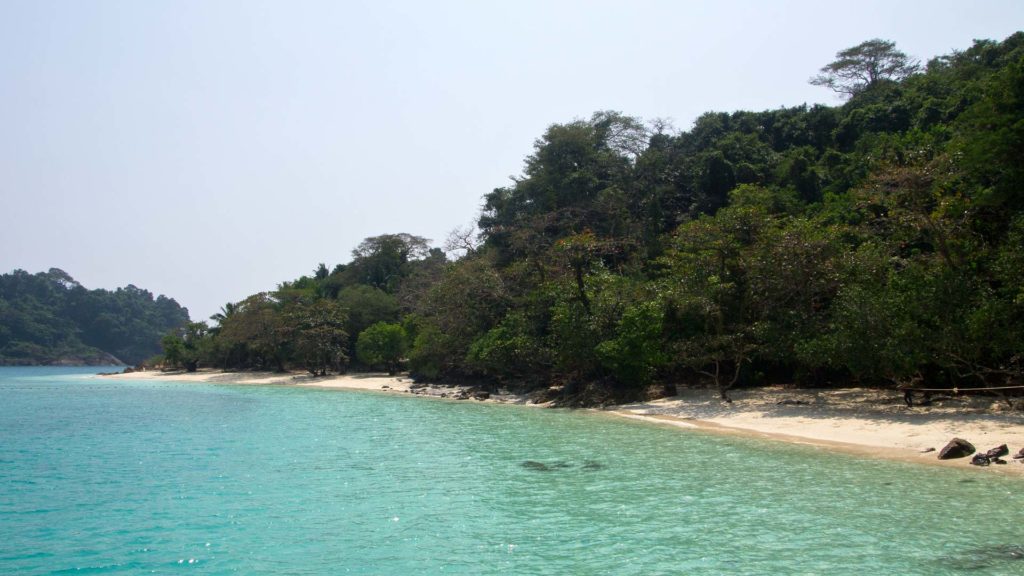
x,y
124,477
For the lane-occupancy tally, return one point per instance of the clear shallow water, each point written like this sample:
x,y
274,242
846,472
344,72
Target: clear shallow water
x,y
104,477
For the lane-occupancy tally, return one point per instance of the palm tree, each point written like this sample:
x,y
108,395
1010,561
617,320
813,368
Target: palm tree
x,y
226,312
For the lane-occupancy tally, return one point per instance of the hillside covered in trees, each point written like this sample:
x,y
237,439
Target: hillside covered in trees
x,y
877,242
49,318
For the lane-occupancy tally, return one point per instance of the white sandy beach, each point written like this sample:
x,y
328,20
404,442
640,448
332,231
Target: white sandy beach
x,y
863,421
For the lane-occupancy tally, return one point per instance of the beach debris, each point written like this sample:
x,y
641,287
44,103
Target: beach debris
x,y
957,448
998,451
926,450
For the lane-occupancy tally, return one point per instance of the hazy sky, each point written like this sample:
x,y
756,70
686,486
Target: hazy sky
x,y
209,150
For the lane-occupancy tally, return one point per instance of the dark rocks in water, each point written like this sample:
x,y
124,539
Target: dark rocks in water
x,y
981,460
534,465
998,451
985,557
588,465
481,395
957,448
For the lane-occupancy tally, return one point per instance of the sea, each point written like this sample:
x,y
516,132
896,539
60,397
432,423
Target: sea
x,y
102,476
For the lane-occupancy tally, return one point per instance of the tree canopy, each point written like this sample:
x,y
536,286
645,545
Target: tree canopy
x,y
878,242
49,317
864,66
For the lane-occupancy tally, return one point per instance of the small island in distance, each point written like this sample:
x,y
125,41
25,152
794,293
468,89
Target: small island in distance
x,y
49,318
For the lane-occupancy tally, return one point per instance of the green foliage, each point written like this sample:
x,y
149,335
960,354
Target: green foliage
x,y
878,241
382,344
367,306
865,65
319,334
383,261
635,354
469,299
186,347
508,351
49,317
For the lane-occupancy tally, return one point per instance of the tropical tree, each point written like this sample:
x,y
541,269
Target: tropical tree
x,y
185,347
382,344
320,336
863,66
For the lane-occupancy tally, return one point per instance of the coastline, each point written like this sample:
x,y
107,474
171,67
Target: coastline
x,y
864,422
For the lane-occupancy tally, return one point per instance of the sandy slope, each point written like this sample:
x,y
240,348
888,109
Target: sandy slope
x,y
863,421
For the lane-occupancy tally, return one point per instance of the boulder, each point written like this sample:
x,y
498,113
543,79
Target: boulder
x,y
980,460
481,395
1019,455
957,448
998,451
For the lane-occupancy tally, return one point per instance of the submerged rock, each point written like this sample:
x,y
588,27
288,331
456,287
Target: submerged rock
x,y
985,557
534,465
957,448
588,465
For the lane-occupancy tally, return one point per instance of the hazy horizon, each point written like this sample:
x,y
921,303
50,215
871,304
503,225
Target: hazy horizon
x,y
210,150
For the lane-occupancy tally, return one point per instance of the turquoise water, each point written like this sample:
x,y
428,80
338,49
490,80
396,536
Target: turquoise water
x,y
132,477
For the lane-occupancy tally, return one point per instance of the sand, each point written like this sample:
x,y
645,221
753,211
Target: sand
x,y
863,421
869,422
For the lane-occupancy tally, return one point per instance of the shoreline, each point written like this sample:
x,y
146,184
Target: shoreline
x,y
857,421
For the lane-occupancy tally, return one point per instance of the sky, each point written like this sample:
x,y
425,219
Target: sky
x,y
208,150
